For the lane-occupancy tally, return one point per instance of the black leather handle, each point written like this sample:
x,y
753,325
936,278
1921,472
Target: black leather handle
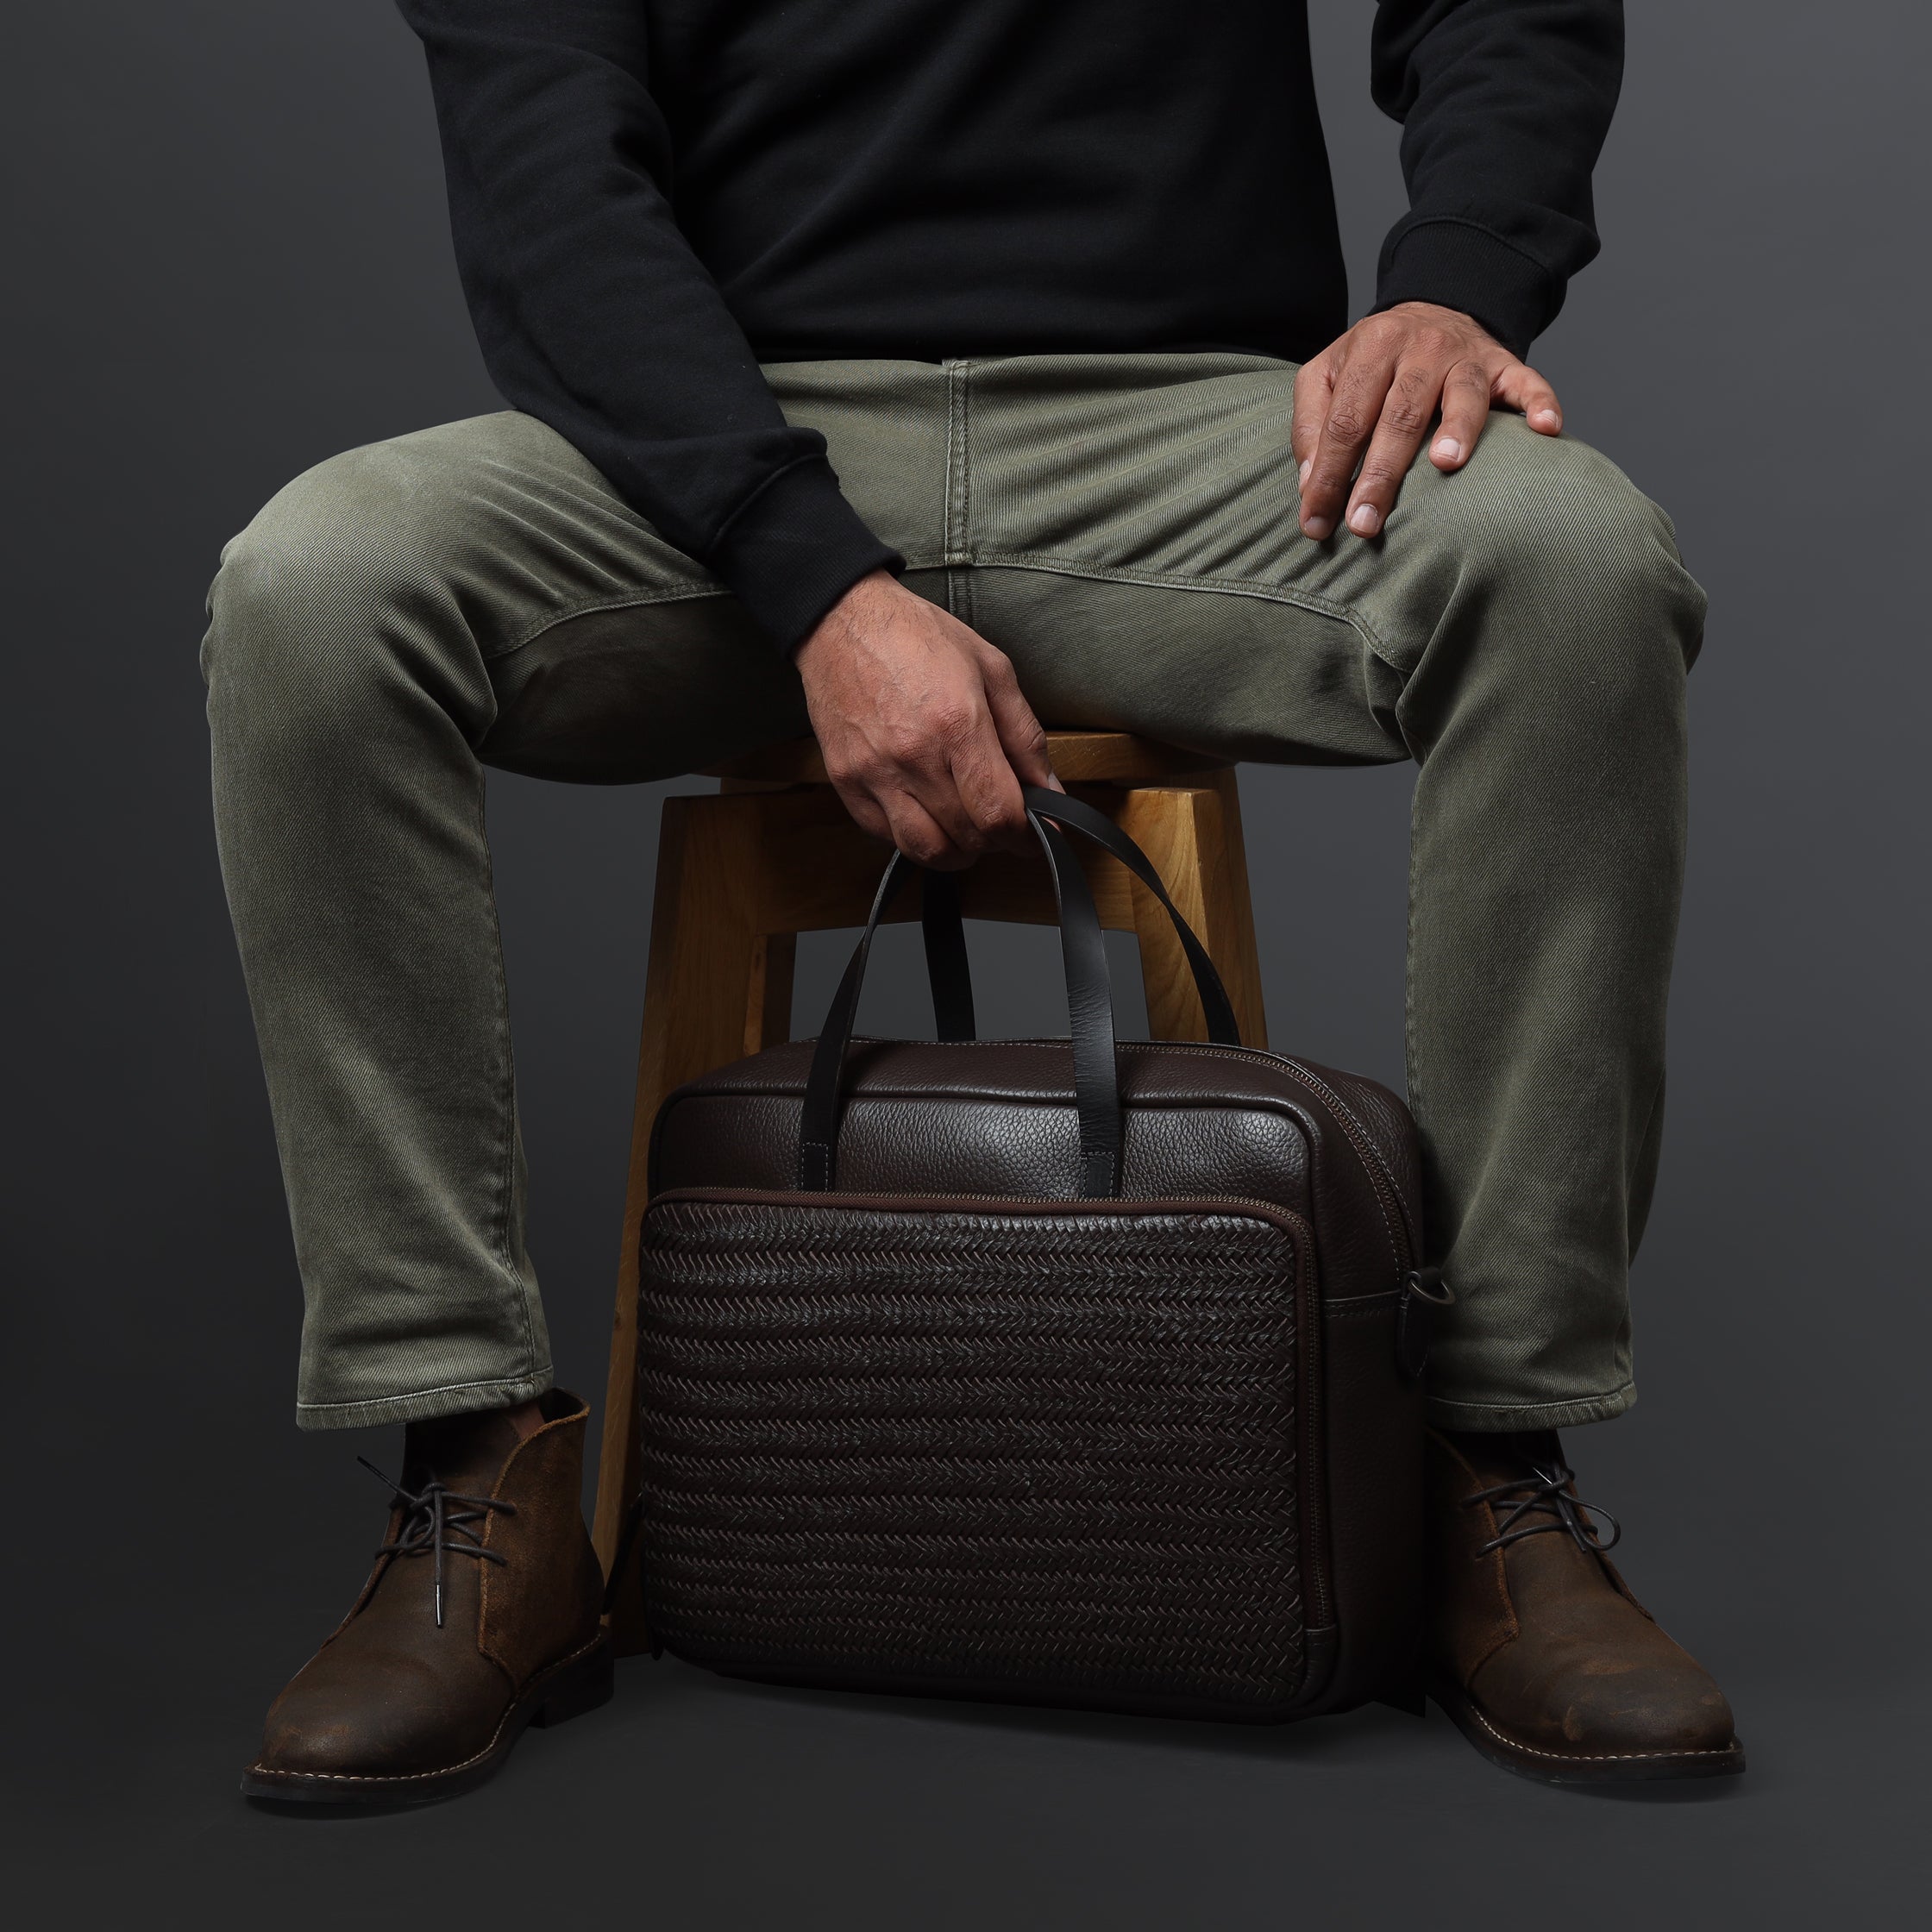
x,y
951,974
1216,1007
1089,992
948,971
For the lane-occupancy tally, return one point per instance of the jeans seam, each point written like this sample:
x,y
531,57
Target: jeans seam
x,y
441,1389
1411,1056
1549,1401
551,619
953,526
507,1181
965,509
1226,586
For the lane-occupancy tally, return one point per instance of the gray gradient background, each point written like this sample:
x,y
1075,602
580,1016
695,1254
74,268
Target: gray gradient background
x,y
229,260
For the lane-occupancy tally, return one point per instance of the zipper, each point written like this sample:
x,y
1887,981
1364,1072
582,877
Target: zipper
x,y
1309,1458
1388,1196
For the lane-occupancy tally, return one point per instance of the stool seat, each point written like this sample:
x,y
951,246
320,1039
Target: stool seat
x,y
773,853
1079,758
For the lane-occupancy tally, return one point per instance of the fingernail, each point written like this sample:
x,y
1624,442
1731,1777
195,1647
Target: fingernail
x,y
1306,465
1448,450
1318,527
1547,415
1365,519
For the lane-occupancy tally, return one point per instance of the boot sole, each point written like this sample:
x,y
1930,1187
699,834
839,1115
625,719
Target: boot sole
x,y
580,1683
1559,1767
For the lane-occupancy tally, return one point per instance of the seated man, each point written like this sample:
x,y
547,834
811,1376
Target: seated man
x,y
907,372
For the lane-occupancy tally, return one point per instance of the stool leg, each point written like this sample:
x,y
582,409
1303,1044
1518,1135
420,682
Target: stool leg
x,y
1193,835
715,988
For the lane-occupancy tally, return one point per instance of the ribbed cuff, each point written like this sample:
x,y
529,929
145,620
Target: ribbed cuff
x,y
1460,266
793,548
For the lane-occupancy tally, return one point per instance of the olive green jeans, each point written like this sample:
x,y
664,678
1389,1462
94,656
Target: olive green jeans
x,y
1122,526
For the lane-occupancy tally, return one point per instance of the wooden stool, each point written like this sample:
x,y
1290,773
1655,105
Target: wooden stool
x,y
774,854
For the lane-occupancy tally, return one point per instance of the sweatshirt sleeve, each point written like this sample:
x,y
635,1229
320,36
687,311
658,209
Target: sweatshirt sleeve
x,y
1504,105
595,316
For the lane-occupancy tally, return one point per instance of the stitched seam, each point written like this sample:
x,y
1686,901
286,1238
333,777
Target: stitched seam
x,y
1412,1056
809,1147
446,1771
1228,587
441,1389
953,524
1596,1757
964,540
1514,1408
506,1179
956,406
551,619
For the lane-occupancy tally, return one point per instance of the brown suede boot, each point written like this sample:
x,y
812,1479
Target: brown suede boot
x,y
1538,1651
480,1617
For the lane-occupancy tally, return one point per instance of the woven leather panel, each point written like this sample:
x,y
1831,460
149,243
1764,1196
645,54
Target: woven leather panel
x,y
1047,1454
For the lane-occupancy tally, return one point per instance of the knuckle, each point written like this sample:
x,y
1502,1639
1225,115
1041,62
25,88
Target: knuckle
x,y
953,723
909,745
1346,424
1002,818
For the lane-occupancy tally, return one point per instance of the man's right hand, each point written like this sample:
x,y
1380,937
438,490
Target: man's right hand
x,y
926,735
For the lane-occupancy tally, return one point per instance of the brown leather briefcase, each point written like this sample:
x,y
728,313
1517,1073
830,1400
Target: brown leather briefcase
x,y
1063,1371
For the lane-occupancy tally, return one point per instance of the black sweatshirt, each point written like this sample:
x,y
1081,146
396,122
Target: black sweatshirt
x,y
651,197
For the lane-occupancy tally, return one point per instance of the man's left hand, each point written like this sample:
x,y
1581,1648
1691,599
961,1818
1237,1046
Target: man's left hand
x,y
1363,406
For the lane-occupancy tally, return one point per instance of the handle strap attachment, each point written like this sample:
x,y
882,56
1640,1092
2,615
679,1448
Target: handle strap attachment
x,y
1089,991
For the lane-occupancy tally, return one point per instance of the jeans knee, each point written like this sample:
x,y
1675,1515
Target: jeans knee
x,y
299,584
1555,513
1577,577
346,591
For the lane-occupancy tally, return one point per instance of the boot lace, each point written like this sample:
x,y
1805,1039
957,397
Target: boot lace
x,y
441,1521
1539,1500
